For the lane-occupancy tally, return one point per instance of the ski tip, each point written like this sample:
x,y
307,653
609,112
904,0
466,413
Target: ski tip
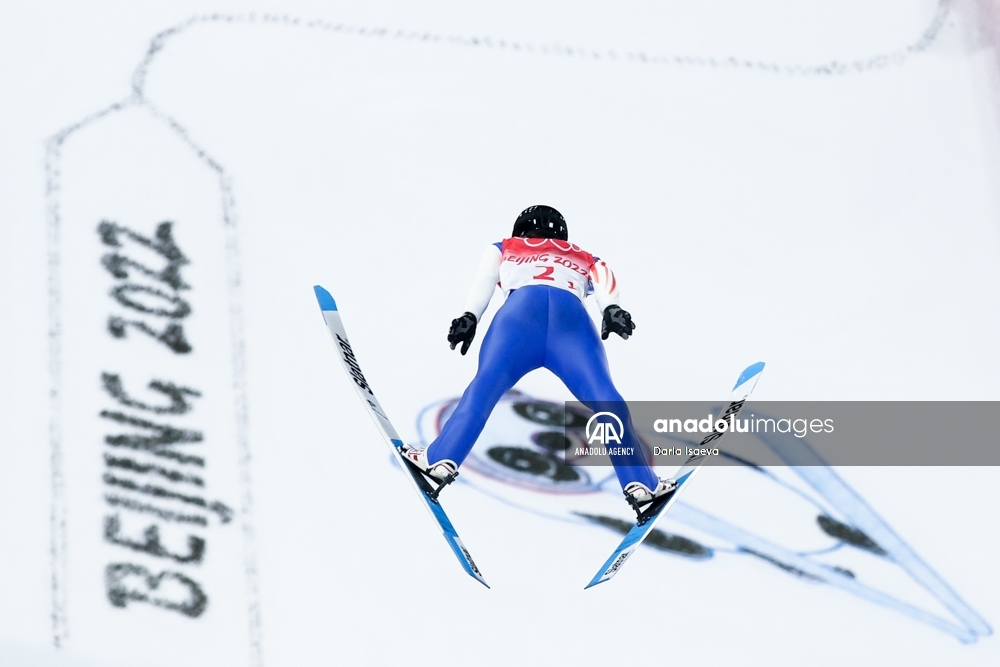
x,y
326,301
749,373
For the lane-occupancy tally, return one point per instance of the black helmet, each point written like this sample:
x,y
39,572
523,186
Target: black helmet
x,y
541,222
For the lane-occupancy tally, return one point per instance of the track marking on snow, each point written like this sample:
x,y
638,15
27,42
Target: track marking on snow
x,y
53,156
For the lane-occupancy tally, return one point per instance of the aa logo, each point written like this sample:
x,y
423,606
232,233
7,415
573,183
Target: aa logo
x,y
604,432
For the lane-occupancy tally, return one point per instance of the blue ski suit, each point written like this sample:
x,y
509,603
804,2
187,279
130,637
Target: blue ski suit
x,y
541,326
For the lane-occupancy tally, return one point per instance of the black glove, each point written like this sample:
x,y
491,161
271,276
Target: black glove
x,y
617,320
462,330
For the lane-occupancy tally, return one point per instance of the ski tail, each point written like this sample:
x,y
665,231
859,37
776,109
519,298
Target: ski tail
x,y
331,316
741,392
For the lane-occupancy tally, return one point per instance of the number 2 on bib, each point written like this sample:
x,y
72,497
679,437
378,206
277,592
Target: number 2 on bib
x,y
546,273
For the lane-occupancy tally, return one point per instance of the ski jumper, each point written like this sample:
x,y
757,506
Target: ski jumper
x,y
542,324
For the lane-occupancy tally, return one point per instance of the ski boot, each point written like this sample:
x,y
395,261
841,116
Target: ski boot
x,y
441,473
639,495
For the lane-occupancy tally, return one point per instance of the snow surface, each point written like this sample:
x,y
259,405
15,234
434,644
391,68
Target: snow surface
x,y
813,186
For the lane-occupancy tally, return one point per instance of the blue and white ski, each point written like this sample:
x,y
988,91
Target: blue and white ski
x,y
427,492
652,513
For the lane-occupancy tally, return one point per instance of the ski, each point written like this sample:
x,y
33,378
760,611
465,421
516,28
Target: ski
x,y
427,489
646,518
